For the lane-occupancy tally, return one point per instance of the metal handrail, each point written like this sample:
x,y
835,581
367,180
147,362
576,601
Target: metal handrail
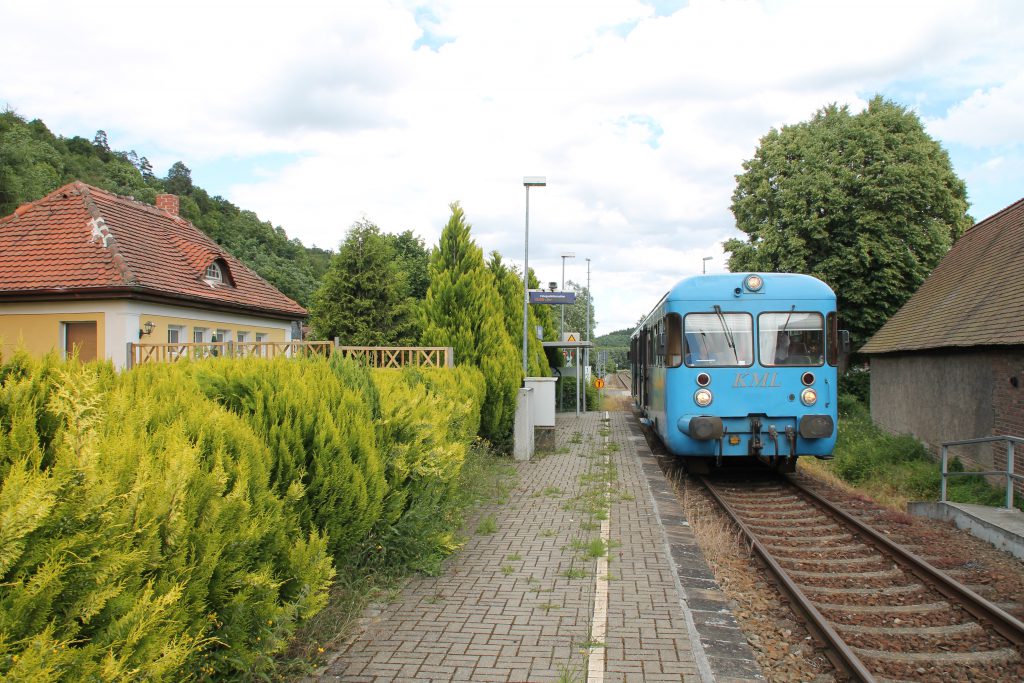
x,y
1010,475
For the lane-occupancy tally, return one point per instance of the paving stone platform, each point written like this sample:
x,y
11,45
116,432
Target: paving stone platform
x,y
531,602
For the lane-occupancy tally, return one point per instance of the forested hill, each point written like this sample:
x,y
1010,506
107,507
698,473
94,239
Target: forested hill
x,y
34,162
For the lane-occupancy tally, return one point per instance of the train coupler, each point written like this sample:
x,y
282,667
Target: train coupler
x,y
755,446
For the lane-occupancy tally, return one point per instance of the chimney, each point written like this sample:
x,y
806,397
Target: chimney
x,y
168,203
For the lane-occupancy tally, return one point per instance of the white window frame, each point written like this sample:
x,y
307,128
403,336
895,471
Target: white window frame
x,y
214,274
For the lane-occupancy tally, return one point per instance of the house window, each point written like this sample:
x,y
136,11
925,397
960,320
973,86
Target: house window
x,y
213,273
174,334
241,336
223,336
261,337
199,334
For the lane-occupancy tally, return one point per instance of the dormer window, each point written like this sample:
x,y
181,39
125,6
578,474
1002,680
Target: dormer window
x,y
214,275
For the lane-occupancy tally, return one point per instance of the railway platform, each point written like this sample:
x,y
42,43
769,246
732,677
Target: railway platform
x,y
587,572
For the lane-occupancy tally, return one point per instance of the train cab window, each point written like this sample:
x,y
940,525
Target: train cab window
x,y
791,338
673,340
718,340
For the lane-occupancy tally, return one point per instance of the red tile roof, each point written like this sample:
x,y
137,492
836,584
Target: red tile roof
x,y
973,297
81,241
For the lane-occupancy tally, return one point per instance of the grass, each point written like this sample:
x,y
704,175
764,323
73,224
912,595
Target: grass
x,y
892,469
507,569
487,525
575,573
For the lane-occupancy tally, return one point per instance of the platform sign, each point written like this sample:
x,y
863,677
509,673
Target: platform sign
x,y
599,383
571,336
540,296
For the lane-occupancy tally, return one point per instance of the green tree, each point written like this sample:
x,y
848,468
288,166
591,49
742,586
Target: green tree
x,y
867,202
179,179
413,260
576,314
363,299
463,310
509,283
30,167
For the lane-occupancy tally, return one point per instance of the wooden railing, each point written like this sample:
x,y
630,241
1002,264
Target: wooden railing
x,y
374,356
400,356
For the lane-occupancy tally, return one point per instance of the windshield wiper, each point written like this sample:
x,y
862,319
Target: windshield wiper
x,y
728,333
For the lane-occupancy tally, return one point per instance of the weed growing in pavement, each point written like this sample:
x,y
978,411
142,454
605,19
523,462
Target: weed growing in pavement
x,y
552,491
514,557
507,569
548,533
577,437
548,606
487,525
595,549
589,526
571,674
575,573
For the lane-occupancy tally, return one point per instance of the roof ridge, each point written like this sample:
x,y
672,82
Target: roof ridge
x,y
101,232
997,214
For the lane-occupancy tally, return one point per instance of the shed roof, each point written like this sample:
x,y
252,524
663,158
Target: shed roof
x,y
83,242
973,297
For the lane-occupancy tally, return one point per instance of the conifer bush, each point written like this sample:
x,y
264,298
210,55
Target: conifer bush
x,y
428,419
179,521
317,418
142,540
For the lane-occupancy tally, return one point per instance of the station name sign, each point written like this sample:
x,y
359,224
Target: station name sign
x,y
540,296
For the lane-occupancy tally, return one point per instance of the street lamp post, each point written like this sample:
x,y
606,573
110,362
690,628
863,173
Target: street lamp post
x,y
528,182
561,309
704,265
561,318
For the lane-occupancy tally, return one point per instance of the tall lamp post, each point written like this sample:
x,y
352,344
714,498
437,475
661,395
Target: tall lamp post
x,y
704,265
528,182
561,321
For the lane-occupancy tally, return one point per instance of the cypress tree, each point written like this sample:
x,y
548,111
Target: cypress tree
x,y
510,285
464,310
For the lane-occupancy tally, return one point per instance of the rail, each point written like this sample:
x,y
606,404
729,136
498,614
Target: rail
x,y
1010,475
374,356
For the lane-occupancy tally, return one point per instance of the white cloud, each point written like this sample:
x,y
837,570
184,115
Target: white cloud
x,y
991,117
391,110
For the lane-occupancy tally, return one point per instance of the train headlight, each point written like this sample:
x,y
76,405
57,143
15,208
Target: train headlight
x,y
809,396
754,282
702,397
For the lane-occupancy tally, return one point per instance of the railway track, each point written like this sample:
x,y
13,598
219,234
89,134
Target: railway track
x,y
881,613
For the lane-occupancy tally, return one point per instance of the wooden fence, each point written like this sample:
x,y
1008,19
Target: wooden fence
x,y
374,356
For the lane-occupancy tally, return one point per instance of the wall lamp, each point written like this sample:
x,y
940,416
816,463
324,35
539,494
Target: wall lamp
x,y
147,328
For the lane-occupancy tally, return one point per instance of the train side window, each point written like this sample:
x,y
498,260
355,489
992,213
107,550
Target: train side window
x,y
673,340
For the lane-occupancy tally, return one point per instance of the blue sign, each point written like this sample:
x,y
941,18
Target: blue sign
x,y
539,296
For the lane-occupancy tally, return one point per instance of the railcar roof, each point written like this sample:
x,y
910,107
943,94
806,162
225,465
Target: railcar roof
x,y
788,286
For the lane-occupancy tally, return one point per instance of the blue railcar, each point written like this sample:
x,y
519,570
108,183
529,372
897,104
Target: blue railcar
x,y
741,366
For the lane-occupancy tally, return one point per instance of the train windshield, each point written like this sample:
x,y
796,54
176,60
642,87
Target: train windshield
x,y
718,339
791,338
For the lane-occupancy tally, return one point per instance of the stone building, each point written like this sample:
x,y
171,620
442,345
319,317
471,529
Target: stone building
x,y
949,365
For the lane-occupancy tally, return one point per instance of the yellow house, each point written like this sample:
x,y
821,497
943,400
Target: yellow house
x,y
86,271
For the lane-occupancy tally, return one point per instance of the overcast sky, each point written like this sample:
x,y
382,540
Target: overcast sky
x,y
639,112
